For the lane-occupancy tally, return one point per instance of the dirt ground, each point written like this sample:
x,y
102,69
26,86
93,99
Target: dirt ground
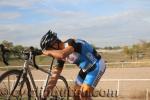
x,y
116,83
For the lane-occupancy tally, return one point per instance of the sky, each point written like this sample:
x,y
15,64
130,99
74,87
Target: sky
x,y
100,22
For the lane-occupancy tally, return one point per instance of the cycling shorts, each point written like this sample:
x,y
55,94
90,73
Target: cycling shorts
x,y
91,78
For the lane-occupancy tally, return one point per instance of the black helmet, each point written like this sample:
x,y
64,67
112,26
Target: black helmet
x,y
48,40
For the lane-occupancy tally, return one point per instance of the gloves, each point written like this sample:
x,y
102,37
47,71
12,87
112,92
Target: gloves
x,y
52,81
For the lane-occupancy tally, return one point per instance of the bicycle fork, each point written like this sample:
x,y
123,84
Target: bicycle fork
x,y
35,89
12,90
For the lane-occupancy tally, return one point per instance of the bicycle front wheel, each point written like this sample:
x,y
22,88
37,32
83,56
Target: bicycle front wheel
x,y
14,87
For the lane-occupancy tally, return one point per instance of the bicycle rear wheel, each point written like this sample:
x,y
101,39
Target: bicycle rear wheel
x,y
14,87
60,91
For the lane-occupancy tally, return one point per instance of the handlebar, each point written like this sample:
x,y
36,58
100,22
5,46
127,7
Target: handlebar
x,y
32,55
36,53
4,51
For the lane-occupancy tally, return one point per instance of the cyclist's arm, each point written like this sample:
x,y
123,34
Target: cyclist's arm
x,y
59,54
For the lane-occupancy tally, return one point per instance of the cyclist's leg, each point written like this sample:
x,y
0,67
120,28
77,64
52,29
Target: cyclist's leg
x,y
76,92
86,91
80,88
89,81
78,82
93,77
53,80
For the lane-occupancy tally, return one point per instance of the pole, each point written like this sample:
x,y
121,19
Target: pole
x,y
118,86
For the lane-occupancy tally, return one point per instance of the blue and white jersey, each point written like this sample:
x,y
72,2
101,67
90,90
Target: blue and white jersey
x,y
83,54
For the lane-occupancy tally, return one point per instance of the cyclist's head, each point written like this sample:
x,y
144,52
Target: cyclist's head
x,y
48,40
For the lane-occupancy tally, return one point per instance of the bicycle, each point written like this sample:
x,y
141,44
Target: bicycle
x,y
16,84
4,54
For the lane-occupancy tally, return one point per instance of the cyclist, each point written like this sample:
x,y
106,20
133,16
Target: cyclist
x,y
75,51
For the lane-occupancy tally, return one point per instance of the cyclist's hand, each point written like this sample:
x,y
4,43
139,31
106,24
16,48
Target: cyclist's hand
x,y
46,52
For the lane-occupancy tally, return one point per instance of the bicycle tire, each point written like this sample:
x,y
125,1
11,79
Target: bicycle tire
x,y
60,93
5,79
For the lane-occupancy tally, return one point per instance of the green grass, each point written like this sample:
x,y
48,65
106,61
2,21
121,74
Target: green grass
x,y
109,57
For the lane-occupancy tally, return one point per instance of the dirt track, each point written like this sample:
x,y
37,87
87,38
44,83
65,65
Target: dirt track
x,y
128,90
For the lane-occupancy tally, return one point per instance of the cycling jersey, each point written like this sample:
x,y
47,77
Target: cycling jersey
x,y
83,54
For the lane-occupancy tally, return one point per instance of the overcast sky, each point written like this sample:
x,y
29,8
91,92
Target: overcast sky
x,y
101,22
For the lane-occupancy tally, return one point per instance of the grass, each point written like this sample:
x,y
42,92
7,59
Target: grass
x,y
109,57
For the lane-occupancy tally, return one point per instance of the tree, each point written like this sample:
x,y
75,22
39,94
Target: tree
x,y
17,50
108,48
128,51
136,49
7,44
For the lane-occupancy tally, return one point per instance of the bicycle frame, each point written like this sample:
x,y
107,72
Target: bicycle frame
x,y
27,73
25,77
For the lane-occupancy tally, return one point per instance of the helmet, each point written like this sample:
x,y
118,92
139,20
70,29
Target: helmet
x,y
48,40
